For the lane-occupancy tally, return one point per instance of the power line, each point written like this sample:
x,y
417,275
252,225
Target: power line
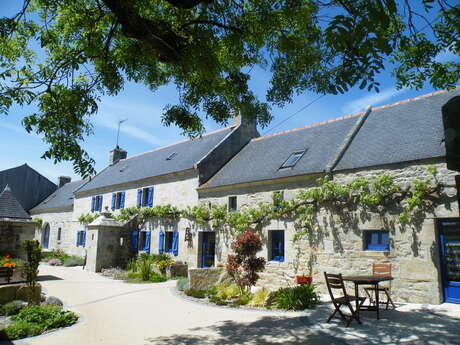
x,y
294,114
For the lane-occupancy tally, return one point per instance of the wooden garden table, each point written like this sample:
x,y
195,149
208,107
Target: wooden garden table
x,y
367,280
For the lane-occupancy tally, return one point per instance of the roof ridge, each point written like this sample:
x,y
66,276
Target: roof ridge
x,y
407,100
177,143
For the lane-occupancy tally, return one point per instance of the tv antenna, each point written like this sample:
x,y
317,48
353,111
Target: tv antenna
x,y
118,132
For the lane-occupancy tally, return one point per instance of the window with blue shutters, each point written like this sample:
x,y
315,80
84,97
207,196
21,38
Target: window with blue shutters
x,y
96,203
276,247
145,197
118,200
144,241
81,238
377,240
169,237
93,204
114,201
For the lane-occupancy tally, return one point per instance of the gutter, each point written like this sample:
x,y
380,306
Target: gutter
x,y
347,141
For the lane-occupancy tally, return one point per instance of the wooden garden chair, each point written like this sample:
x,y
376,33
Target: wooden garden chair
x,y
382,270
335,282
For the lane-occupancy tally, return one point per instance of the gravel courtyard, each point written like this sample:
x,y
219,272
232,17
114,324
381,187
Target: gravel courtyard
x,y
116,313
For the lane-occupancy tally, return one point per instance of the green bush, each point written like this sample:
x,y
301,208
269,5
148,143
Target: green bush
x,y
212,291
36,319
74,261
227,291
296,298
195,293
22,329
12,308
157,278
258,299
144,265
182,284
156,258
55,254
132,265
217,300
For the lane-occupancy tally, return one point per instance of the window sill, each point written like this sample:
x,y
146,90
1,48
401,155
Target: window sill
x,y
375,253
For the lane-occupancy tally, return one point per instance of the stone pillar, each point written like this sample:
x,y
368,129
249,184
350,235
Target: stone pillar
x,y
107,244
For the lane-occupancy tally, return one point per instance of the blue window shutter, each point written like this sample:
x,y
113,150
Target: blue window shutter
x,y
385,240
139,197
147,242
114,199
161,242
122,200
93,201
281,246
78,238
100,203
83,238
134,240
150,197
175,246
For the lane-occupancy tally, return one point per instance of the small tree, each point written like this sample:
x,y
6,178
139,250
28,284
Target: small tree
x,y
244,265
34,255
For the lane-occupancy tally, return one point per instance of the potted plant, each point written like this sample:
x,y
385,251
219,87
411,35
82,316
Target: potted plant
x,y
304,279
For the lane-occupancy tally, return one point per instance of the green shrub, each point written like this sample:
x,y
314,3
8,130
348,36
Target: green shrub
x,y
156,258
132,265
144,265
195,293
182,284
227,291
296,298
36,319
133,275
12,308
212,291
22,329
74,261
217,300
157,278
259,298
55,254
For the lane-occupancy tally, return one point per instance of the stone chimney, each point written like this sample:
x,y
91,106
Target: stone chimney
x,y
248,123
62,180
117,154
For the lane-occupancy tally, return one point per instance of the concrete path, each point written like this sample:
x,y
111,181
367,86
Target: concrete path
x,y
113,312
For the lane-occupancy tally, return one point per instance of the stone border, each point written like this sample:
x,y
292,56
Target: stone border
x,y
205,302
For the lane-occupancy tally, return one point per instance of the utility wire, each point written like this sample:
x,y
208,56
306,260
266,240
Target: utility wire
x,y
294,114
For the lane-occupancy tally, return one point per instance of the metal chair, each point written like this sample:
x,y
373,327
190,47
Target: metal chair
x,y
335,282
382,270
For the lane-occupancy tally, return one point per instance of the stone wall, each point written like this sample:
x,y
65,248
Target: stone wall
x,y
336,244
12,235
176,189
63,219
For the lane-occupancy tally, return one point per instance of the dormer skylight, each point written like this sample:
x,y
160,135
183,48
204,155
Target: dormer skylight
x,y
293,159
171,156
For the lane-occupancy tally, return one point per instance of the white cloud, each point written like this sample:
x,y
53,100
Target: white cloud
x,y
374,99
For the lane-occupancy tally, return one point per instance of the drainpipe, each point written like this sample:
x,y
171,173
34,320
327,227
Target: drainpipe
x,y
347,141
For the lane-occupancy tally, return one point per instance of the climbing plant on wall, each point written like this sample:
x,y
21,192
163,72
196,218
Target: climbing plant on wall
x,y
379,194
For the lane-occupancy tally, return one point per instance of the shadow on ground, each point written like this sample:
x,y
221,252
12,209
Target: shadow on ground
x,y
421,326
47,277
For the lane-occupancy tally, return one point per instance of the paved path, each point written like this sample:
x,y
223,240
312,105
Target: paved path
x,y
113,312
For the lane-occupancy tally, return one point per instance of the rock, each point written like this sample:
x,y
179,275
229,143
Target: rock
x,y
25,293
176,270
8,293
203,278
53,301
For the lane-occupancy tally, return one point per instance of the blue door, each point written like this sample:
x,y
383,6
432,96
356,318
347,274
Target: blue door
x,y
449,239
208,249
46,236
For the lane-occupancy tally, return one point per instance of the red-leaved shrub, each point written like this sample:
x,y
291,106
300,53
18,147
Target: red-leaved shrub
x,y
244,265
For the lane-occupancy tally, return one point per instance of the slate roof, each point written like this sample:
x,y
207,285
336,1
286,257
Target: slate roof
x,y
62,197
155,163
10,206
401,132
262,158
404,131
28,186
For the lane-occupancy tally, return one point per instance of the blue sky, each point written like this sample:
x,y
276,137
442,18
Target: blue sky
x,y
143,130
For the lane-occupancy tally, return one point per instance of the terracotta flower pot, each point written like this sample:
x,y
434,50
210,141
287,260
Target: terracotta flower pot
x,y
304,279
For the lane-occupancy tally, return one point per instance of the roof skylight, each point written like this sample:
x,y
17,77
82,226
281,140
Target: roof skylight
x,y
293,159
171,156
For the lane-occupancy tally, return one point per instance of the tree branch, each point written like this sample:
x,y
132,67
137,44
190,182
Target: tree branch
x,y
188,4
213,23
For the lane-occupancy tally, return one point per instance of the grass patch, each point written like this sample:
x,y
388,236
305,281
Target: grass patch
x,y
73,260
195,293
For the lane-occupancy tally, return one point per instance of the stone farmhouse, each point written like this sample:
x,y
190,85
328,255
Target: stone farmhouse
x,y
236,168
21,188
